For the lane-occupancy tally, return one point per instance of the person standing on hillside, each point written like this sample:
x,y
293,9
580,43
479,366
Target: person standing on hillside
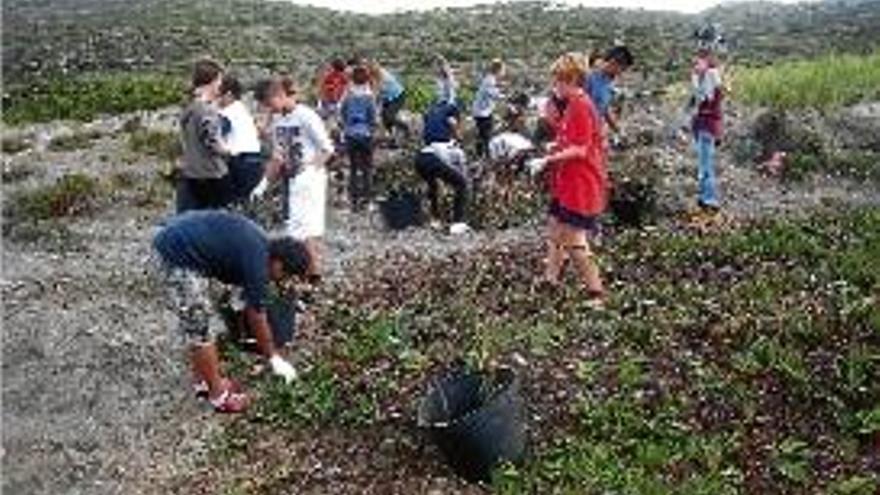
x,y
332,84
392,97
488,94
241,138
599,85
706,124
199,248
358,112
300,148
203,175
578,180
447,86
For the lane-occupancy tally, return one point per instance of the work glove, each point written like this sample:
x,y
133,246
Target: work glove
x,y
258,192
536,165
282,368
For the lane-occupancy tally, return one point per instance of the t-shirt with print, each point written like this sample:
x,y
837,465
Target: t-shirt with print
x,y
299,136
220,245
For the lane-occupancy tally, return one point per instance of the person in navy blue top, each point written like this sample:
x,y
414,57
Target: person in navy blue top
x,y
198,247
599,84
441,123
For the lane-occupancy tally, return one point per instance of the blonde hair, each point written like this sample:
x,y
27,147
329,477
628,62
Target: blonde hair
x,y
569,68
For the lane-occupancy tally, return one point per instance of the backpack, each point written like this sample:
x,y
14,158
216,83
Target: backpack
x,y
358,116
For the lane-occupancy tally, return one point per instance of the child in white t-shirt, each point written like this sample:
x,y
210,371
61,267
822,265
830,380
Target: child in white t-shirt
x,y
241,138
301,147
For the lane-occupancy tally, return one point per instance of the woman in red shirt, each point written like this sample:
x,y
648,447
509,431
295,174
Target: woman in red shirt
x,y
578,181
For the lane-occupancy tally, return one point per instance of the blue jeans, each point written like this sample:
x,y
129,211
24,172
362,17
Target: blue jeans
x,y
705,145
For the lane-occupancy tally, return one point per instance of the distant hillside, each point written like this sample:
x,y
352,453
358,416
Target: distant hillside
x,y
51,37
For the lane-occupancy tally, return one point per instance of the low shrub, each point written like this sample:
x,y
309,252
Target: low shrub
x,y
14,144
162,144
73,194
75,141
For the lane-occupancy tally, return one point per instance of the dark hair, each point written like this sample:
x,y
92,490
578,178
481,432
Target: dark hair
x,y
292,254
338,64
621,55
360,75
205,72
594,56
267,88
231,86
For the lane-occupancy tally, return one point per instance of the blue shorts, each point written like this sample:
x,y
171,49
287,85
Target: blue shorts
x,y
589,223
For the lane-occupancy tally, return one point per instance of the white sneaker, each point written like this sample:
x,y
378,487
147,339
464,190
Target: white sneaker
x,y
282,368
459,228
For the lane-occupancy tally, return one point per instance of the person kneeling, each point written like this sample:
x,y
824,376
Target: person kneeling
x,y
443,160
198,248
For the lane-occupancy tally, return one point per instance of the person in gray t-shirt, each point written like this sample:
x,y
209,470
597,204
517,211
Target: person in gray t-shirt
x,y
204,172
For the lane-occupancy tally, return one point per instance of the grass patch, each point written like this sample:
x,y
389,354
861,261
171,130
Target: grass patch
x,y
162,144
14,144
71,195
830,81
84,98
74,141
732,362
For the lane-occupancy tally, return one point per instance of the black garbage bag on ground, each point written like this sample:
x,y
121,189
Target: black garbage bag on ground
x,y
633,202
402,209
477,420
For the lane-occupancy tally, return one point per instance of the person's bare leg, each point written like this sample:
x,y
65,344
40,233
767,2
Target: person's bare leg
x,y
555,253
206,365
313,246
584,261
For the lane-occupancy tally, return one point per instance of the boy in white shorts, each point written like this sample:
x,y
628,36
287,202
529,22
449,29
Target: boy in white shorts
x,y
301,147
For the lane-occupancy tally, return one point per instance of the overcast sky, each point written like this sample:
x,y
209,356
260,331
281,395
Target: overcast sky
x,y
383,6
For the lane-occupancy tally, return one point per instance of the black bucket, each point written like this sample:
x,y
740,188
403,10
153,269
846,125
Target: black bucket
x,y
633,203
477,421
402,209
281,310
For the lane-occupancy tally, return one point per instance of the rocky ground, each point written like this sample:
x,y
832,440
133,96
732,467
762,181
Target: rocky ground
x,y
94,387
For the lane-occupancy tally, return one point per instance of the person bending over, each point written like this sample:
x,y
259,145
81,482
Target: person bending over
x,y
198,248
443,160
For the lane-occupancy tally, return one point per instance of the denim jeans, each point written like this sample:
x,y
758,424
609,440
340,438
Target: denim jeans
x,y
705,145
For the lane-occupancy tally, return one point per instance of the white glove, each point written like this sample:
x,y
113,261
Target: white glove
x,y
536,165
260,190
282,368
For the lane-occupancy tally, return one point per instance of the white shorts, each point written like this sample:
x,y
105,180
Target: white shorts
x,y
307,206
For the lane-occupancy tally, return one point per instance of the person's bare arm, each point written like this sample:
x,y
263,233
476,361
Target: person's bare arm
x,y
259,324
612,121
569,153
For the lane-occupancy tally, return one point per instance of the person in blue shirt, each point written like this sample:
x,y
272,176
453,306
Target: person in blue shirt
x,y
392,97
358,126
200,247
599,84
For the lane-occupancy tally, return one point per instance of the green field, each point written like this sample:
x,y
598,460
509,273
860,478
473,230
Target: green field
x,y
829,81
